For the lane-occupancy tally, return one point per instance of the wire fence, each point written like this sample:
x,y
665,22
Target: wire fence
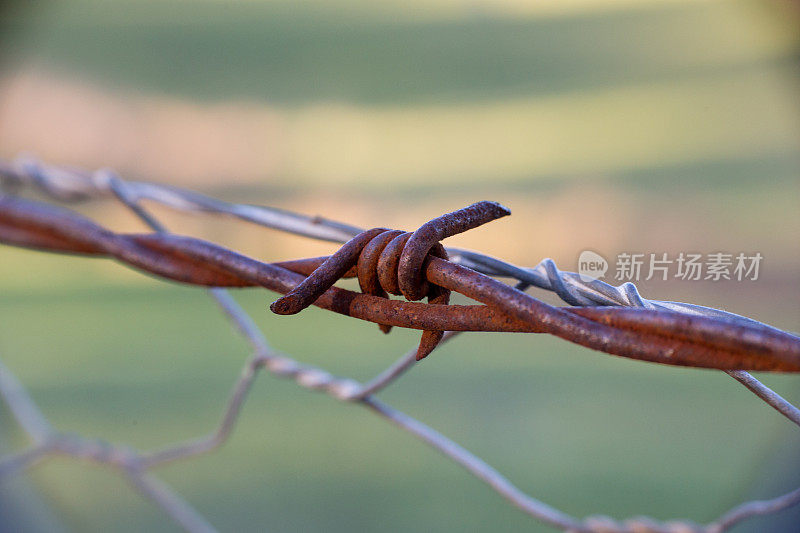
x,y
616,320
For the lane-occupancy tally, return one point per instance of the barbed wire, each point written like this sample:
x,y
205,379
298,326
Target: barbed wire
x,y
705,332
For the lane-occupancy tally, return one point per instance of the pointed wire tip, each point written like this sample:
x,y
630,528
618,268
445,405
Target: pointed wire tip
x,y
499,209
505,210
423,352
286,305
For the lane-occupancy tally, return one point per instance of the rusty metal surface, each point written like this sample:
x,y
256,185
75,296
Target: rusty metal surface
x,y
412,264
391,262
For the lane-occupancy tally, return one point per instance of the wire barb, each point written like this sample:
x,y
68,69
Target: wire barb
x,y
391,262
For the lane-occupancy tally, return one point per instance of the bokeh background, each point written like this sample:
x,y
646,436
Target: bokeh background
x,y
611,125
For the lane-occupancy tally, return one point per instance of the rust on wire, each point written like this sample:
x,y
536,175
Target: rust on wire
x,y
390,262
649,335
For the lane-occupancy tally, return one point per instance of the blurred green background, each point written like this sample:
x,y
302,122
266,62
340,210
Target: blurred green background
x,y
611,125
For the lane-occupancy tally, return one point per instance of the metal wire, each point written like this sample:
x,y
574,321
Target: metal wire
x,y
71,184
646,334
74,185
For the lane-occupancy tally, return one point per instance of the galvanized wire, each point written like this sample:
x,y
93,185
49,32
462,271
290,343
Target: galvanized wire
x,y
74,185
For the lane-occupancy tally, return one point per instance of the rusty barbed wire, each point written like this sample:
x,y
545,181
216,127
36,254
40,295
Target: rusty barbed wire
x,y
72,184
708,333
652,335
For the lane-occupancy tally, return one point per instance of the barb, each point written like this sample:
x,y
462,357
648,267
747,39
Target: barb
x,y
391,262
43,227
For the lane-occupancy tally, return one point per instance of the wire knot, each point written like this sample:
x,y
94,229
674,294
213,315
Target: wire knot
x,y
393,262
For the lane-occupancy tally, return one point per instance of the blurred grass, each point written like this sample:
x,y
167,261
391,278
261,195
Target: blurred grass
x,y
358,98
615,125
369,52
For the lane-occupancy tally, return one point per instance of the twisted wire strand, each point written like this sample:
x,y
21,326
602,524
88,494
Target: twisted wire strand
x,y
72,185
344,389
655,336
570,287
137,464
